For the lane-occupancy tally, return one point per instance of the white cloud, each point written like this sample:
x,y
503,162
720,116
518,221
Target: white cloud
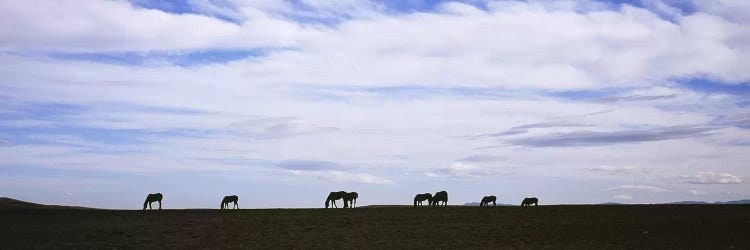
x,y
464,170
345,177
709,178
413,49
106,25
431,174
623,197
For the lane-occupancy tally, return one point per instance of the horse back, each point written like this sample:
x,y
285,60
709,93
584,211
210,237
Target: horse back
x,y
154,197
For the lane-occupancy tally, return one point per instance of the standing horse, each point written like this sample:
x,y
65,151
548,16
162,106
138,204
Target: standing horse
x,y
528,201
439,196
351,198
152,198
422,197
229,199
486,201
333,196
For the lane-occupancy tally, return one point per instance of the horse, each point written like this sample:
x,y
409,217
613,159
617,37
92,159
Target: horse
x,y
486,201
351,198
439,196
422,197
333,196
229,199
528,201
152,198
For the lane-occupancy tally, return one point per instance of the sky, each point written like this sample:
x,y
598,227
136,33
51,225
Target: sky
x,y
283,101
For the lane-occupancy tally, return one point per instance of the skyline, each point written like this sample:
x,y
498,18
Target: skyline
x,y
281,102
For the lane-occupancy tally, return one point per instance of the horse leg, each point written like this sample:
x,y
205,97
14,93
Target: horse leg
x,y
159,205
494,204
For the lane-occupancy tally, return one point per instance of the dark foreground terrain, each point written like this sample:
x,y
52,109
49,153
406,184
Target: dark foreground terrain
x,y
544,227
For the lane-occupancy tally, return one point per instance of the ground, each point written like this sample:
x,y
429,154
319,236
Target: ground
x,y
544,227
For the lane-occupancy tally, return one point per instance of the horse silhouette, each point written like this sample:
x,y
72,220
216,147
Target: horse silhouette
x,y
419,198
152,198
486,201
528,201
229,199
351,198
439,196
333,196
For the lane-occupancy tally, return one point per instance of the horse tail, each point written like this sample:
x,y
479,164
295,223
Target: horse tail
x,y
327,201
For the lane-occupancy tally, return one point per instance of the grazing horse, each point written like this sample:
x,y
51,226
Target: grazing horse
x,y
528,201
439,196
351,198
229,199
422,197
152,198
333,196
486,201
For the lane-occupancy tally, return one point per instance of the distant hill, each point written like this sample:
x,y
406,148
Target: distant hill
x,y
718,202
13,204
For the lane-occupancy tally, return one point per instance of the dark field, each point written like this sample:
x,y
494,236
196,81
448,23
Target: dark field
x,y
544,227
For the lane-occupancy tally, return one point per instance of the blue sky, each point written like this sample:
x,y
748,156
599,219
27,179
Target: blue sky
x,y
636,101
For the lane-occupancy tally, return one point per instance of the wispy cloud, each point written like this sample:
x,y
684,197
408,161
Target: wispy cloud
x,y
634,98
334,176
464,170
525,128
277,127
331,172
617,169
483,158
595,138
709,178
638,188
310,165
739,120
